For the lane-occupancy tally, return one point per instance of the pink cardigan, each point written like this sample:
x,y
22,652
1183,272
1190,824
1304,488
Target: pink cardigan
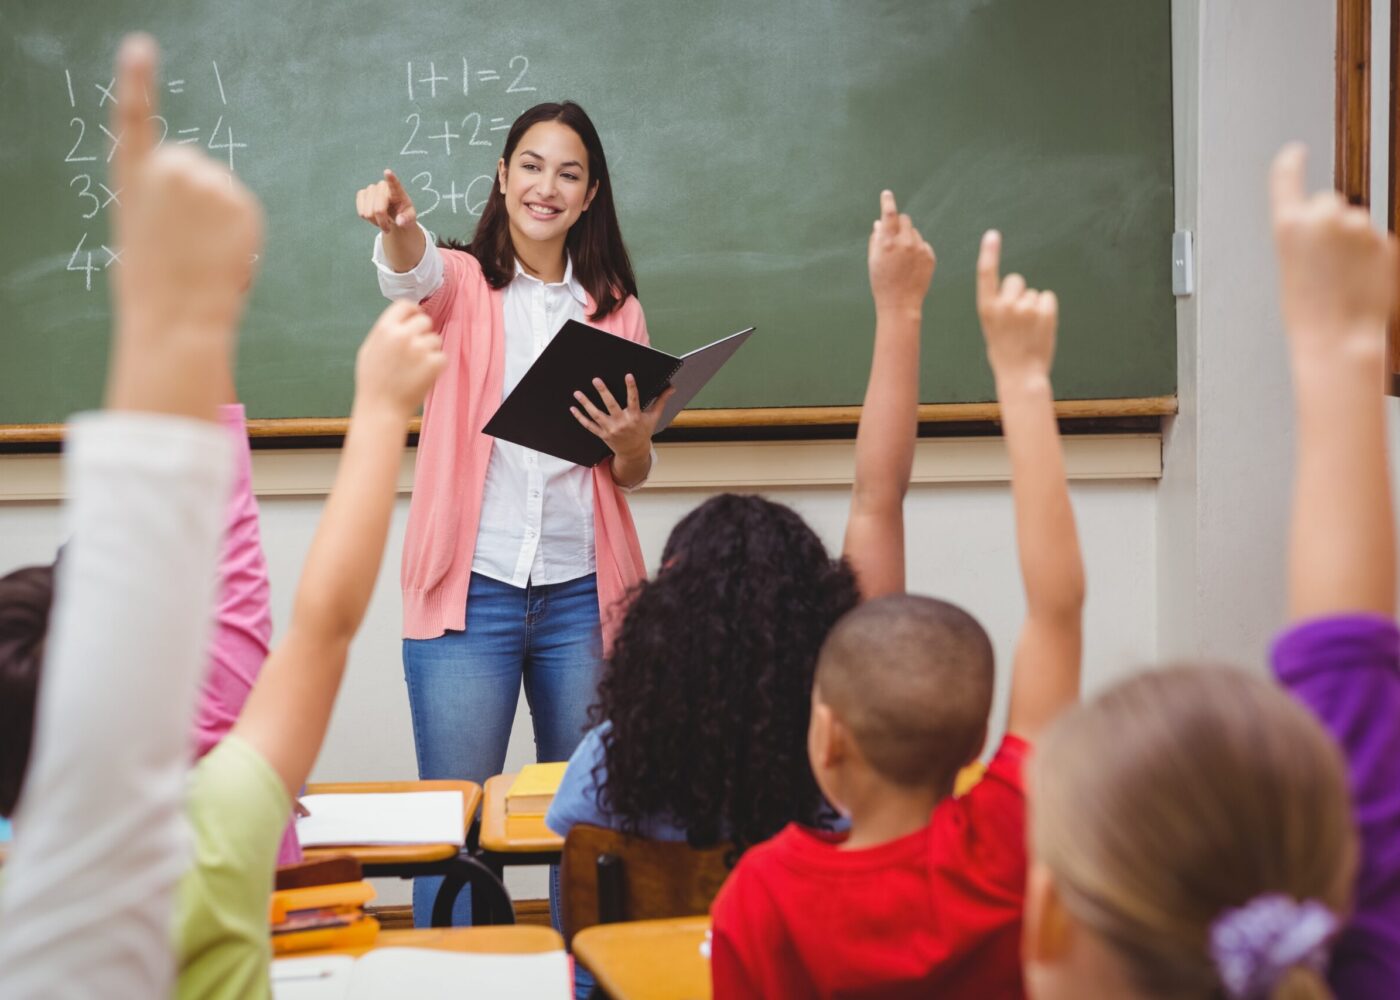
x,y
445,512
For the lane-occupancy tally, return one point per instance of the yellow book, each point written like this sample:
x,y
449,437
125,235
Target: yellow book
x,y
341,895
533,789
359,935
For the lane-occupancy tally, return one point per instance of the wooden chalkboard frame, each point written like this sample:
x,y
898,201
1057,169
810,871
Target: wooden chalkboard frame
x,y
703,420
1352,166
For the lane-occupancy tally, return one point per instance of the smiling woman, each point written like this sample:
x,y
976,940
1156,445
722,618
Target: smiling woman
x,y
513,559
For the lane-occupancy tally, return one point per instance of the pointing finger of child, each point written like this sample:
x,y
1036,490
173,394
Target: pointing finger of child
x,y
888,210
989,266
134,108
1288,178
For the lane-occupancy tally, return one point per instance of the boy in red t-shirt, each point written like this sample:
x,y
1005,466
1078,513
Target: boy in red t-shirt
x,y
923,895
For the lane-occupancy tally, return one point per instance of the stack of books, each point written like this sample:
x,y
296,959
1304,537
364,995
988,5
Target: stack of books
x,y
322,906
529,797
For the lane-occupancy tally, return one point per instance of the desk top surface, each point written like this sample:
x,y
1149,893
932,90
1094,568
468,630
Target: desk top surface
x,y
391,854
518,939
648,959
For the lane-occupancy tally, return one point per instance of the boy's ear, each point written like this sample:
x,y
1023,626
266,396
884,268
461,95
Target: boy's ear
x,y
1047,927
824,736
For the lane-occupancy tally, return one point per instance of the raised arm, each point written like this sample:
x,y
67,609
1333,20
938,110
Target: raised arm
x,y
87,897
287,713
1018,324
901,267
1338,283
243,616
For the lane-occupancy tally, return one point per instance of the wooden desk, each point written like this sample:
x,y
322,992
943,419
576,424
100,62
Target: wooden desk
x,y
648,959
521,939
405,854
514,841
490,902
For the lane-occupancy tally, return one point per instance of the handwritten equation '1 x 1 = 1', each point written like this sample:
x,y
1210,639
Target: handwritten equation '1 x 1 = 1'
x,y
94,195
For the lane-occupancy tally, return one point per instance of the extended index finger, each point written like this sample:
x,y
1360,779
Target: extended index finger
x,y
395,186
135,106
989,266
889,212
1288,177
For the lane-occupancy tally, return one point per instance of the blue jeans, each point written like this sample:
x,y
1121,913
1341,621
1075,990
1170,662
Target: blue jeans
x,y
463,688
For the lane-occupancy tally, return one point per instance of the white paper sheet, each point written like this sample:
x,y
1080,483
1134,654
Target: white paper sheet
x,y
382,818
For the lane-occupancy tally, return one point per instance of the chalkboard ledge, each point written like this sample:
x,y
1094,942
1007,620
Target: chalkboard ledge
x,y
706,465
700,421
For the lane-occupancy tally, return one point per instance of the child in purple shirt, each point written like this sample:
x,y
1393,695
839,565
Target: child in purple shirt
x,y
1346,668
1341,655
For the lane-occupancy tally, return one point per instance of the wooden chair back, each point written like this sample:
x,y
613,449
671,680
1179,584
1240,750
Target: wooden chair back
x,y
609,877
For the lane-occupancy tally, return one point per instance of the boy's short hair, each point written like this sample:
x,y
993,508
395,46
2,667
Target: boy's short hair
x,y
26,596
911,678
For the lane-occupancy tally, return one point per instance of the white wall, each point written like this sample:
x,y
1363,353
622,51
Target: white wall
x,y
1248,77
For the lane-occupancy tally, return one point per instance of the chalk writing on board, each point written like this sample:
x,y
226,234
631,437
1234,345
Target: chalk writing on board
x,y
454,164
225,141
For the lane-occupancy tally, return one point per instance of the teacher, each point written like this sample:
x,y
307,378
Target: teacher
x,y
513,560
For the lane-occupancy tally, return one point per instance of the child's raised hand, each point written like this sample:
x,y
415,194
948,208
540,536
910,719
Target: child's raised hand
x,y
386,204
1338,271
188,233
901,261
399,360
1018,323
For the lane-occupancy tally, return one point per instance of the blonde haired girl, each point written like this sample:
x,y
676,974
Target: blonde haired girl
x,y
1191,836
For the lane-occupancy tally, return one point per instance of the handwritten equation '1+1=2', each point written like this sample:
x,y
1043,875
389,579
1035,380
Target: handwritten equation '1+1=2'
x,y
92,149
433,86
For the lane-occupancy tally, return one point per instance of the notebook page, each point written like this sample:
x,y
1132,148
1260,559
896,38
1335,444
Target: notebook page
x,y
324,977
697,368
444,975
382,818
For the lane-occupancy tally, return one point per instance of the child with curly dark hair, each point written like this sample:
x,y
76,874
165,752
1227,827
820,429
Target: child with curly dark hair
x,y
702,712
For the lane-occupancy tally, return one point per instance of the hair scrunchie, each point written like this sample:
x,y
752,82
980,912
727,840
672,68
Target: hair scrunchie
x,y
1255,944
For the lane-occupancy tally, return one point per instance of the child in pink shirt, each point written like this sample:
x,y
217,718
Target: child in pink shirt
x,y
243,621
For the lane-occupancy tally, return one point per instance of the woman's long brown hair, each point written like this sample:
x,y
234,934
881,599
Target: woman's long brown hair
x,y
595,245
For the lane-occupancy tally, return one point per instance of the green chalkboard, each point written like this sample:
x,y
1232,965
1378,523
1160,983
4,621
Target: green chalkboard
x,y
748,142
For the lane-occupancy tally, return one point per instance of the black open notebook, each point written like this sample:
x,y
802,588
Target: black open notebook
x,y
536,413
